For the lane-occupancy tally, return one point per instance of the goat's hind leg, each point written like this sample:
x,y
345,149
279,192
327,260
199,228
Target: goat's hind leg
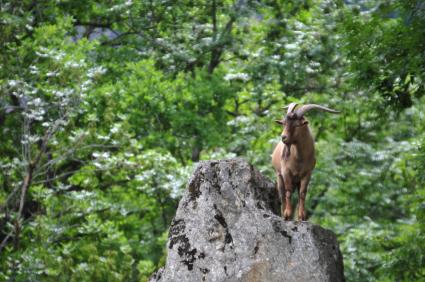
x,y
302,195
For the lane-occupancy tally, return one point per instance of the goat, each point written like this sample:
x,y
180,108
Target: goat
x,y
293,159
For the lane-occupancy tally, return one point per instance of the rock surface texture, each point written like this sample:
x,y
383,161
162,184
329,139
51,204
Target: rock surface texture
x,y
225,230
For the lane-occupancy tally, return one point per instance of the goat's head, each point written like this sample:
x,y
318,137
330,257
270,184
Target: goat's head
x,y
294,121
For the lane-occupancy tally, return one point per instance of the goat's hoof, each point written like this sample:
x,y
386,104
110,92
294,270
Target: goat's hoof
x,y
286,218
286,215
302,218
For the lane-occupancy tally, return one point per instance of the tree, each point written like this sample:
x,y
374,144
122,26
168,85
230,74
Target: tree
x,y
106,107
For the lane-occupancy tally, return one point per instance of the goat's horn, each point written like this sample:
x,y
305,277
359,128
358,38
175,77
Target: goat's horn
x,y
290,107
305,108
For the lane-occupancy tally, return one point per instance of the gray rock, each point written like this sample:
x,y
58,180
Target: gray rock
x,y
225,230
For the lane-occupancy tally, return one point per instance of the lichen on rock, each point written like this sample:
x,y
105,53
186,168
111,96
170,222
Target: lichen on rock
x,y
225,230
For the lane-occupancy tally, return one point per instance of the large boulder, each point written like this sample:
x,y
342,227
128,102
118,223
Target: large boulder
x,y
225,230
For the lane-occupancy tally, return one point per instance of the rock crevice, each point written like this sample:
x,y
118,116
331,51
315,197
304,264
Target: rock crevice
x,y
225,230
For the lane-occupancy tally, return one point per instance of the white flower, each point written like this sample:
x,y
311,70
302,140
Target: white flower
x,y
291,46
52,74
116,128
42,55
33,69
309,70
13,83
93,72
237,76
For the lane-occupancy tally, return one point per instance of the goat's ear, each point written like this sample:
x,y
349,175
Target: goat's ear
x,y
278,121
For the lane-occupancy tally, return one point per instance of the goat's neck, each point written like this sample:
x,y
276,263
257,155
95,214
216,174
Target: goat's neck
x,y
303,148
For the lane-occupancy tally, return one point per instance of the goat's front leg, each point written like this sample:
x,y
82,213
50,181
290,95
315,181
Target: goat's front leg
x,y
280,190
287,213
302,195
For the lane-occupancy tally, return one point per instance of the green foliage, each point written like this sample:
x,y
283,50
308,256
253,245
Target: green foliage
x,y
390,50
106,107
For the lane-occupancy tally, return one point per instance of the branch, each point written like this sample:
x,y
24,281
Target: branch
x,y
214,18
94,24
8,199
65,154
4,242
70,173
219,43
119,36
29,177
260,110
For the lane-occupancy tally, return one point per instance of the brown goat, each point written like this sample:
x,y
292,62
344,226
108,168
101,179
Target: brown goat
x,y
293,159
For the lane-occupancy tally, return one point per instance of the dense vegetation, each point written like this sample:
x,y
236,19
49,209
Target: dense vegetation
x,y
106,106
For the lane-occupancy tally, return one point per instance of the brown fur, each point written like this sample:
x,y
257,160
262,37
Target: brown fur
x,y
294,163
